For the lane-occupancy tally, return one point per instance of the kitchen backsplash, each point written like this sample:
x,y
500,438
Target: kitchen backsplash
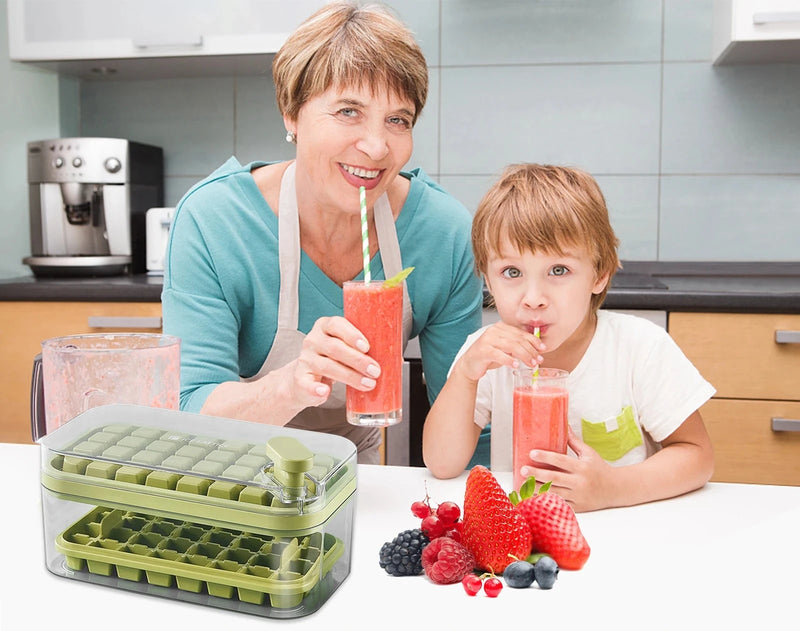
x,y
697,162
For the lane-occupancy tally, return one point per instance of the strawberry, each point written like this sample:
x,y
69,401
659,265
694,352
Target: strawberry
x,y
494,531
447,561
554,528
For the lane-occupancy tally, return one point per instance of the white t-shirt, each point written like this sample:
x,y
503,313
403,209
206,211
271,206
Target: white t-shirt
x,y
632,388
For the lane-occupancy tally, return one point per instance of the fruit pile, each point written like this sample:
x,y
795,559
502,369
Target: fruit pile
x,y
525,537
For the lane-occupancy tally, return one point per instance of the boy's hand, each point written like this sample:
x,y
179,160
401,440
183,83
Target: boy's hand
x,y
500,345
584,481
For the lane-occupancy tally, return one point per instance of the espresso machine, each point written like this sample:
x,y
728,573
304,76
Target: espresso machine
x,y
88,199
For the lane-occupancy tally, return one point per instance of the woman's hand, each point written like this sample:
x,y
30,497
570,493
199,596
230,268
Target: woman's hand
x,y
335,350
499,345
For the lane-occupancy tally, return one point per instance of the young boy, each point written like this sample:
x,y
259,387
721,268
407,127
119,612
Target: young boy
x,y
546,249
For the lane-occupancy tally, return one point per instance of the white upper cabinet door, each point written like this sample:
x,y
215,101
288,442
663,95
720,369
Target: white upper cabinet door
x,y
756,31
151,38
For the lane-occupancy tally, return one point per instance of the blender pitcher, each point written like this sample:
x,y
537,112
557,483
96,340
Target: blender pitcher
x,y
79,372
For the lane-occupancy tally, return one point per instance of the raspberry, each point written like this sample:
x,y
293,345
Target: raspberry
x,y
447,561
402,556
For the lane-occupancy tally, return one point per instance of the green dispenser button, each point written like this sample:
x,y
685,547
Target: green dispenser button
x,y
291,459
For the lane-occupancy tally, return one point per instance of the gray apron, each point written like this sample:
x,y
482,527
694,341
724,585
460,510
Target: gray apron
x,y
330,415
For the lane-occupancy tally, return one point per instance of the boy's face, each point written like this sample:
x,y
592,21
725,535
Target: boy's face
x,y
549,291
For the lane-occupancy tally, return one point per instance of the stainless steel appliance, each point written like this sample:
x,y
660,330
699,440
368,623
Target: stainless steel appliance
x,y
88,198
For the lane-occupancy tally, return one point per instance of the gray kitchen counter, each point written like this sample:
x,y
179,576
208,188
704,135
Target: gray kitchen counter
x,y
770,287
710,287
136,288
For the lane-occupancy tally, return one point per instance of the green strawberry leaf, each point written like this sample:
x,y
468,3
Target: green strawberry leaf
x,y
545,487
533,558
514,498
397,278
528,488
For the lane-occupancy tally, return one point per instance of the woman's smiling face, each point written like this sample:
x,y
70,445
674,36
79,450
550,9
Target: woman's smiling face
x,y
352,137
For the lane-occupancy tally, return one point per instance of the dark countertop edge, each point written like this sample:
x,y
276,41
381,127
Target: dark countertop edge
x,y
709,302
711,268
139,288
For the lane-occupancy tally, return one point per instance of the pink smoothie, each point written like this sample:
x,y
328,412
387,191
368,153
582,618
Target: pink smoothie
x,y
540,422
377,312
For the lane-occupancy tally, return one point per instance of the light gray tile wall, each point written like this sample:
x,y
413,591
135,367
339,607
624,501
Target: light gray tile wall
x,y
697,162
192,119
29,110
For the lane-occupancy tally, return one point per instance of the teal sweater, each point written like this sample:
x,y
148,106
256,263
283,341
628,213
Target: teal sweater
x,y
221,280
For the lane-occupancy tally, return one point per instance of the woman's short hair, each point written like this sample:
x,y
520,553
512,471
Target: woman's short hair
x,y
548,209
344,45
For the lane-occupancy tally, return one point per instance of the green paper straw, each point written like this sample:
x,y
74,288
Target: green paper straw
x,y
364,233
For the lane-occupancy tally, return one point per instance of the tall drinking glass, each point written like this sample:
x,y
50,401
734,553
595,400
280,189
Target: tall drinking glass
x,y
377,311
541,403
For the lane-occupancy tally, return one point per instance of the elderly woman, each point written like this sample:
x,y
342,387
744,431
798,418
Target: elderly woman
x,y
258,252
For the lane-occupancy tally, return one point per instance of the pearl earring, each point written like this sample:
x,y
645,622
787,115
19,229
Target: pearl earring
x,y
291,137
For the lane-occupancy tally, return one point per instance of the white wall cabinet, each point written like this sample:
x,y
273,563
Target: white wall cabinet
x,y
756,31
152,38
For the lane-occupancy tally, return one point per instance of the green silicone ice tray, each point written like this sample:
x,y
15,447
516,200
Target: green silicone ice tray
x,y
229,482
228,563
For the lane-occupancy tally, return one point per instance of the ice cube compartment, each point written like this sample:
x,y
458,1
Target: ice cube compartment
x,y
227,563
176,466
241,516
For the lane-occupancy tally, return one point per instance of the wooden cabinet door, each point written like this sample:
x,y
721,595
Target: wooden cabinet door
x,y
23,327
738,352
746,449
753,360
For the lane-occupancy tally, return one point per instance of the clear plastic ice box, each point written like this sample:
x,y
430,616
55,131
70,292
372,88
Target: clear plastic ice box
x,y
231,514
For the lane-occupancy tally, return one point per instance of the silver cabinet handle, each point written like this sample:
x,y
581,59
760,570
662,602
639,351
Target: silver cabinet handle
x,y
124,322
776,17
190,41
785,425
787,337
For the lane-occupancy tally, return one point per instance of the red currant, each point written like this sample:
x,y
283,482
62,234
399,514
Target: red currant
x,y
448,512
492,587
472,584
455,531
433,527
420,509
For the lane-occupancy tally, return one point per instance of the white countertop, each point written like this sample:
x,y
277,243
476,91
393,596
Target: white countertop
x,y
727,556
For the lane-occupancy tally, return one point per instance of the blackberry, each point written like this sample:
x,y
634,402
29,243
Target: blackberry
x,y
402,556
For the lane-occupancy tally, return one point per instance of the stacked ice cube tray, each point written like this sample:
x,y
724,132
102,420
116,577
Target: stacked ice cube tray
x,y
249,537
183,462
254,568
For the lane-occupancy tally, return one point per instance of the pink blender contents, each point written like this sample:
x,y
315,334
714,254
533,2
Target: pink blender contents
x,y
541,405
86,371
377,312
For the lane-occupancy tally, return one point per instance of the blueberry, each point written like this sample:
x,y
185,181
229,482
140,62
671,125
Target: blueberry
x,y
519,574
546,572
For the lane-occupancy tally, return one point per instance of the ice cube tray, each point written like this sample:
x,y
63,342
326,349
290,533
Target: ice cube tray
x,y
194,557
213,511
151,468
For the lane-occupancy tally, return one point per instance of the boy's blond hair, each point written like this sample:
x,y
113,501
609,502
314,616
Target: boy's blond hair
x,y
344,45
549,209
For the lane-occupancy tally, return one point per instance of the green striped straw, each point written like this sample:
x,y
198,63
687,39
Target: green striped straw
x,y
364,232
536,370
